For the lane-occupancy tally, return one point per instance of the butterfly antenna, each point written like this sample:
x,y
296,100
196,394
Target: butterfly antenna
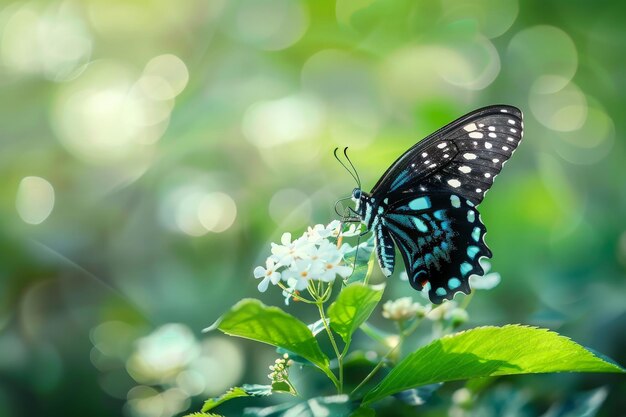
x,y
356,178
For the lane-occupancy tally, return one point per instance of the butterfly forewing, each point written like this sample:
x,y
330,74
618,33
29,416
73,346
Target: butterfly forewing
x,y
462,158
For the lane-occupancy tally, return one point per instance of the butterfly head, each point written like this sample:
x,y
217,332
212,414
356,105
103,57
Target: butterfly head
x,y
360,199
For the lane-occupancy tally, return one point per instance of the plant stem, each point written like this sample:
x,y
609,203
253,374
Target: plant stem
x,y
402,336
294,295
320,307
376,368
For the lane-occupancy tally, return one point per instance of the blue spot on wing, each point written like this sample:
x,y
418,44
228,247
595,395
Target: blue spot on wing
x,y
439,242
421,203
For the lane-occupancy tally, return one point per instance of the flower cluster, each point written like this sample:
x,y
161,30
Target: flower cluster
x,y
403,309
280,369
315,255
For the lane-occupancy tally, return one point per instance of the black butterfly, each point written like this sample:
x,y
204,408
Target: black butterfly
x,y
426,201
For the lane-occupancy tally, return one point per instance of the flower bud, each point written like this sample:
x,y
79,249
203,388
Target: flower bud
x,y
457,317
402,309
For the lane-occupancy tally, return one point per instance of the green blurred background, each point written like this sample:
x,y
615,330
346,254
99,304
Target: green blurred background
x,y
150,151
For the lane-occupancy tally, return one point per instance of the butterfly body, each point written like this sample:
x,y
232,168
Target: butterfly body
x,y
425,204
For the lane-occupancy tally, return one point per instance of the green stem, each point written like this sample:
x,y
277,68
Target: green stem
x,y
376,368
294,295
402,336
320,307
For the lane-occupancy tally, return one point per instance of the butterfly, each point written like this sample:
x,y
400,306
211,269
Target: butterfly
x,y
426,202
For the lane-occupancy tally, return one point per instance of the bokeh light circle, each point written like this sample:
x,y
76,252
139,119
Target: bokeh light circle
x,y
542,51
268,24
35,199
563,110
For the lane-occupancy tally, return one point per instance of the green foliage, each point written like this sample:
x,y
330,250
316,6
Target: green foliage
x,y
334,406
251,319
489,351
236,392
353,306
203,415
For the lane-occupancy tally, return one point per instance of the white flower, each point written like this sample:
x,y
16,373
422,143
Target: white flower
x,y
289,251
301,272
487,281
442,311
269,274
402,309
332,268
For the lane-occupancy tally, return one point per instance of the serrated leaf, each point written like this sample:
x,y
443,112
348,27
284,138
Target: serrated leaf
x,y
251,319
237,392
353,306
202,415
489,351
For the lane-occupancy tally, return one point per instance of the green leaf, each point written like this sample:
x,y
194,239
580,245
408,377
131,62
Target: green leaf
x,y
364,260
489,351
251,319
353,306
202,415
363,412
236,392
334,406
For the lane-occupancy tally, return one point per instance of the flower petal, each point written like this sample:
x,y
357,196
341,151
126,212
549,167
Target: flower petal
x,y
263,285
259,272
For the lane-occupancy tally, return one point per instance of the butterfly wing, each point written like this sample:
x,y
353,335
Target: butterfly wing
x,y
440,237
462,158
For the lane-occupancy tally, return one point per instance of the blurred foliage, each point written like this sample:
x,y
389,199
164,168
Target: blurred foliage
x,y
150,150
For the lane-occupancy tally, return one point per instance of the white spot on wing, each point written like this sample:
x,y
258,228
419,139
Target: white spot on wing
x,y
441,145
496,160
511,121
510,139
476,135
488,145
424,155
487,175
445,155
492,129
469,156
505,148
504,110
513,131
470,127
493,135
478,190
432,165
465,169
454,183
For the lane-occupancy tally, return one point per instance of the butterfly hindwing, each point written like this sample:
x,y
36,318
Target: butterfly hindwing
x,y
440,237
385,250
462,158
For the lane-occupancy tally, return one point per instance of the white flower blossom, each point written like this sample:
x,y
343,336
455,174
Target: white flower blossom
x,y
287,252
301,272
332,267
269,274
313,256
403,309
